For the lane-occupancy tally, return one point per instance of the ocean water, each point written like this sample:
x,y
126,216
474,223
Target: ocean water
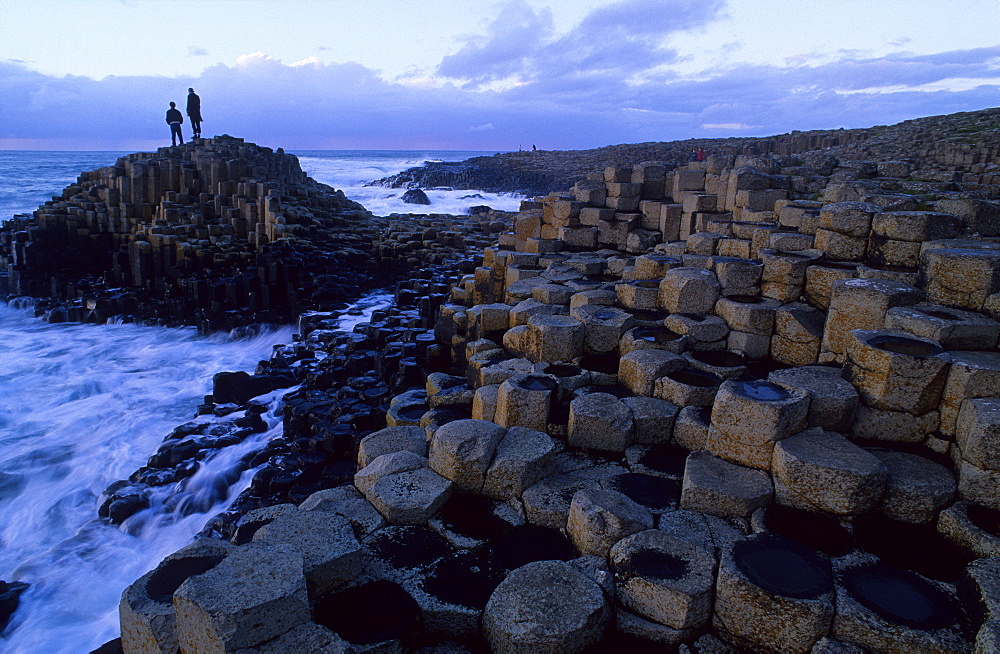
x,y
82,406
350,170
29,178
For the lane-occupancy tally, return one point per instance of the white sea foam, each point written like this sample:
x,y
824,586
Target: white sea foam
x,y
81,407
350,170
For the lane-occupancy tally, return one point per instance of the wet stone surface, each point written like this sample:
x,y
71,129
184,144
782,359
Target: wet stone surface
x,y
906,346
667,459
762,390
648,490
466,579
900,596
472,516
823,533
919,548
527,543
655,564
374,613
783,567
409,547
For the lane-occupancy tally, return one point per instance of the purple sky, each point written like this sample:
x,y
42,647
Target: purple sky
x,y
476,76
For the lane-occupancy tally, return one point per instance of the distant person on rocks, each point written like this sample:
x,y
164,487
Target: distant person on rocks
x,y
174,119
194,113
701,154
693,156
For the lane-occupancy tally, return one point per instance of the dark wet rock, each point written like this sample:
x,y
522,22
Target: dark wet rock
x,y
10,593
415,196
377,612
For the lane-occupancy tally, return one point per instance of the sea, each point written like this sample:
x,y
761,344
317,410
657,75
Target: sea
x,y
82,406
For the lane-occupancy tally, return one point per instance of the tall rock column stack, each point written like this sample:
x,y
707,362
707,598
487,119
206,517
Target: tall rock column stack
x,y
216,233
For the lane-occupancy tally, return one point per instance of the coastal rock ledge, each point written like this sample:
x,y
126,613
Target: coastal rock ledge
x,y
748,403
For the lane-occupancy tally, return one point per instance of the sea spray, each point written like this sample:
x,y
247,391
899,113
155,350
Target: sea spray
x,y
81,407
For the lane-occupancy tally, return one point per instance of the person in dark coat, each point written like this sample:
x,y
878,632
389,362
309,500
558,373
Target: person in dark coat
x,y
174,119
194,113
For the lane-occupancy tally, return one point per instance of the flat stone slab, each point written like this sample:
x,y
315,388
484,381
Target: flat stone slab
x,y
823,471
331,553
916,489
887,609
664,579
546,606
724,489
257,593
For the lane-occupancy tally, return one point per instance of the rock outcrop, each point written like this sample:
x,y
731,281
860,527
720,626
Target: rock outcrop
x,y
740,403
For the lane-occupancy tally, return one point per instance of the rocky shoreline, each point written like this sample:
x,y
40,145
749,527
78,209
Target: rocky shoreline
x,y
747,403
967,141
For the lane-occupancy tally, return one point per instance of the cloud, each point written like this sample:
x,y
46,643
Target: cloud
x,y
604,81
621,39
195,51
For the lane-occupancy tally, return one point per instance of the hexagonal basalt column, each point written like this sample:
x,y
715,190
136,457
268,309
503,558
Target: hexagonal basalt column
x,y
894,371
146,609
972,526
971,375
699,329
652,338
600,518
653,266
525,401
554,338
862,304
748,418
603,326
978,432
331,553
727,365
961,278
738,275
462,451
784,274
953,329
743,313
717,487
823,471
916,488
688,387
664,579
688,290
639,370
403,488
545,606
256,593
639,294
600,421
523,457
833,401
773,594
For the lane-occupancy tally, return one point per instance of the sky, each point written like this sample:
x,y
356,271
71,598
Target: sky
x,y
482,75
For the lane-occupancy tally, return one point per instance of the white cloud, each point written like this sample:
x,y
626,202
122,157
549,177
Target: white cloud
x,y
726,126
482,128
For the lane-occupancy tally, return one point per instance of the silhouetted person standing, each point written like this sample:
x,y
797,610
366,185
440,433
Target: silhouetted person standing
x,y
194,113
174,119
